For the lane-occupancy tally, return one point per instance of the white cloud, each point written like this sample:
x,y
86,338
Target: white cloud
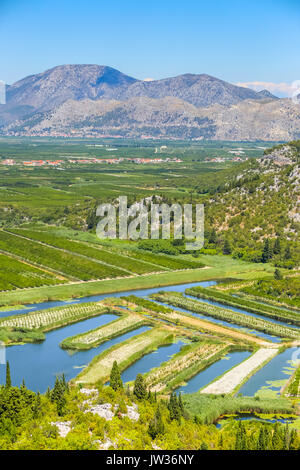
x,y
280,89
149,79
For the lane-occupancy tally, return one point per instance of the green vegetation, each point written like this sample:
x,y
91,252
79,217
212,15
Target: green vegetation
x,y
33,421
78,248
49,251
115,380
38,322
208,408
285,290
178,300
250,305
219,266
13,335
93,338
147,304
139,389
125,354
72,265
294,385
15,274
190,360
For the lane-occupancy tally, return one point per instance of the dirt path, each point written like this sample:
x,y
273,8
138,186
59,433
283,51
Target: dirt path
x,y
214,328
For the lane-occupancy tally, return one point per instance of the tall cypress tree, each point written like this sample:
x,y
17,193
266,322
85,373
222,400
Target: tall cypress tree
x,y
277,247
115,377
287,253
267,252
156,426
241,438
8,378
226,248
213,237
277,440
58,395
174,407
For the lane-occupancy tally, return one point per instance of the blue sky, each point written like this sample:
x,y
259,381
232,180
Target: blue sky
x,y
238,41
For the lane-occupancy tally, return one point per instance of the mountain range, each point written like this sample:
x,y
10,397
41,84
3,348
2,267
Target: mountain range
x,y
98,101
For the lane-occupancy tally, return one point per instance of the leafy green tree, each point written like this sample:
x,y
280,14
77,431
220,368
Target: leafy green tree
x,y
139,389
204,446
115,378
287,437
37,406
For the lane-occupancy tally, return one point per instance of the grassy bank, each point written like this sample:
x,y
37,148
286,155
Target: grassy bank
x,y
11,336
208,408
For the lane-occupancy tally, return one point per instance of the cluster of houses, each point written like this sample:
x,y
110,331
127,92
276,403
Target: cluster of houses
x,y
112,161
109,161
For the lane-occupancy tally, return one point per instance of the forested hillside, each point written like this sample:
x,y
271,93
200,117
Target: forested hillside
x,y
259,209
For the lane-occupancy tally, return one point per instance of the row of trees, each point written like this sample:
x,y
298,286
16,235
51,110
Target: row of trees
x,y
269,438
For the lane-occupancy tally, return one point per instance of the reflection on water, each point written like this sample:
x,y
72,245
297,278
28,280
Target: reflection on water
x,y
151,360
278,369
212,372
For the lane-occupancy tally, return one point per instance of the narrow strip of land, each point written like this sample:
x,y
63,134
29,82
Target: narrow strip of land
x,y
93,338
228,382
221,330
125,354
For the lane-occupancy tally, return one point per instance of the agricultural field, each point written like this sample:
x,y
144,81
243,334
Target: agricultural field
x,y
147,304
188,362
56,317
75,260
15,274
71,265
125,354
93,338
49,251
250,305
286,291
98,254
178,300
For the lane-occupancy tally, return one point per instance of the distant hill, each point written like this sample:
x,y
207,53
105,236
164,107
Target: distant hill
x,y
93,100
